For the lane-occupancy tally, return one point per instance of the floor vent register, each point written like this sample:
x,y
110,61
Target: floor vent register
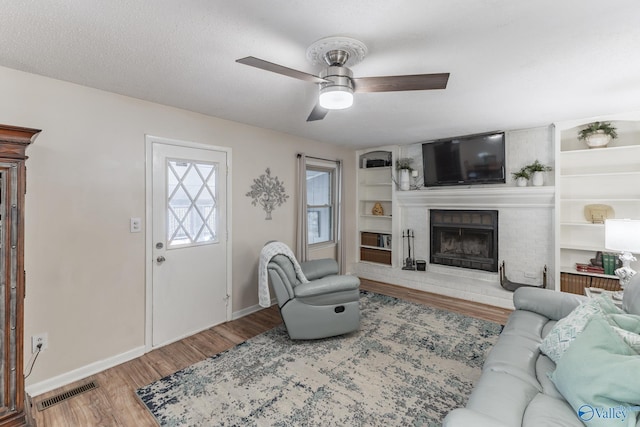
x,y
47,403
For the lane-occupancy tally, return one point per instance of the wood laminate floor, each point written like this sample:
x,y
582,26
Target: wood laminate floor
x,y
114,402
469,308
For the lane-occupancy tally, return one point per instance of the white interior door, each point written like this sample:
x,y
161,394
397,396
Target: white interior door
x,y
189,243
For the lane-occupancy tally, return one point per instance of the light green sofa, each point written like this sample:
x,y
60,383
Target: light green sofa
x,y
515,388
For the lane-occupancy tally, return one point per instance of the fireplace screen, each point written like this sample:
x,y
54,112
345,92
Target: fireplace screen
x,y
465,243
467,239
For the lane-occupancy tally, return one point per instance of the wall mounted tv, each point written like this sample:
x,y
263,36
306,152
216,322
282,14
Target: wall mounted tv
x,y
465,160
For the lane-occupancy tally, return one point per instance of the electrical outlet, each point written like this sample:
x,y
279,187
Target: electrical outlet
x,y
39,339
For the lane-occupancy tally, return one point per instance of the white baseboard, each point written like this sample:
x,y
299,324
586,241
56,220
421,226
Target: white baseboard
x,y
83,372
37,389
246,311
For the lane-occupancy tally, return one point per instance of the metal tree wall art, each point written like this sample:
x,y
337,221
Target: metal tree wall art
x,y
268,192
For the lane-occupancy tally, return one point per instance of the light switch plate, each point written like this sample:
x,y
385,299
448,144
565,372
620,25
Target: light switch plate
x,y
136,225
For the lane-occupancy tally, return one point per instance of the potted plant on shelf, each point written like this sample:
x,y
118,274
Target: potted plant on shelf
x,y
521,177
536,171
598,134
403,165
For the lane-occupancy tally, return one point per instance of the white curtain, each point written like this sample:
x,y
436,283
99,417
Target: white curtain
x,y
340,252
302,240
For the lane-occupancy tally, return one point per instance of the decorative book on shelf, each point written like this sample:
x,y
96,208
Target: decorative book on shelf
x,y
606,263
384,241
609,262
588,268
603,263
575,283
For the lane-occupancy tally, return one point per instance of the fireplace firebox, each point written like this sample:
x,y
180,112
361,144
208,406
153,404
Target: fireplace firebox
x,y
464,238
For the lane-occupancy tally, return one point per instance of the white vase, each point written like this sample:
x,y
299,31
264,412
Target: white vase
x,y
537,179
405,180
598,140
521,182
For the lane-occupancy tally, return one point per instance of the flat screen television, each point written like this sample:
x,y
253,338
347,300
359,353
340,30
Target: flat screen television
x,y
466,160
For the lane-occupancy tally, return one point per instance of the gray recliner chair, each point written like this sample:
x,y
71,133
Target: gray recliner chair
x,y
326,306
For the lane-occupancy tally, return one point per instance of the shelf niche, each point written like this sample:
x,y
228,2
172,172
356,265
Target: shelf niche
x,y
586,176
375,226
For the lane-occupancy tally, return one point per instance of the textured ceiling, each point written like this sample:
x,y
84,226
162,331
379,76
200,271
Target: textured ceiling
x,y
513,64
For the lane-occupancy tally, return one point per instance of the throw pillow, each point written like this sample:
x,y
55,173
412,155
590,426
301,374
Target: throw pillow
x,y
628,322
629,338
599,375
628,327
568,328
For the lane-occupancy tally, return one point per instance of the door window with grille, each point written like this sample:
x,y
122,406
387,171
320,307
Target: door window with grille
x,y
192,210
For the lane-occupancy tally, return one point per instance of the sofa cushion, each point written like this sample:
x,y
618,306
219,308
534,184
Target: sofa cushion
x,y
502,396
544,369
548,328
568,328
466,417
516,351
599,374
546,411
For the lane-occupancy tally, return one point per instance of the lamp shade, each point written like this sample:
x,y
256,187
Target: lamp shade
x,y
622,235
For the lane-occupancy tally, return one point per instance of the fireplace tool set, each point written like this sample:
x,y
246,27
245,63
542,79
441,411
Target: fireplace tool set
x,y
409,262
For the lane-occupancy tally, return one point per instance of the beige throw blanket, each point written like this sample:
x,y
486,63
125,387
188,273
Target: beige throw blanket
x,y
269,251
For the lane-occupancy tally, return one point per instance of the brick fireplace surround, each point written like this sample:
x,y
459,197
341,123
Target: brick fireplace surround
x,y
525,241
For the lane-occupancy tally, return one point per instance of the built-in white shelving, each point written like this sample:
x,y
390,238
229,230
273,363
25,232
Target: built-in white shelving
x,y
601,176
375,185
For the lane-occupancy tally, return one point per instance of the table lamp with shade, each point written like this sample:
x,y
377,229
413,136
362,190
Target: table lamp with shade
x,y
623,235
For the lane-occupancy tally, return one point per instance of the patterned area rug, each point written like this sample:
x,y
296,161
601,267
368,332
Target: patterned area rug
x,y
407,365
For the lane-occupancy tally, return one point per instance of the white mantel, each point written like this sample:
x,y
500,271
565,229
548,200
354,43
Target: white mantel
x,y
476,197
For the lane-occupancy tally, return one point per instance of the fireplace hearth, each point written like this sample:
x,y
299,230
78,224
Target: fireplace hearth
x,y
464,238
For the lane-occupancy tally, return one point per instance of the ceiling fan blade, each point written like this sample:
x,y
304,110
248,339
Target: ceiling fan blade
x,y
401,83
275,68
317,113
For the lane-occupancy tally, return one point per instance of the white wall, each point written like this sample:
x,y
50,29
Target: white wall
x,y
86,178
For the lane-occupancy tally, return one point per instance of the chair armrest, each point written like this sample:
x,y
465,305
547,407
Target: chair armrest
x,y
551,304
327,285
319,268
463,417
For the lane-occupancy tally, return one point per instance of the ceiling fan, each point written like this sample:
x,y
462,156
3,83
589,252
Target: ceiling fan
x,y
336,81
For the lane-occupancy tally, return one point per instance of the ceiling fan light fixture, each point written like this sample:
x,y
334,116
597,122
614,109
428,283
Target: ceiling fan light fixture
x,y
336,97
337,92
336,82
